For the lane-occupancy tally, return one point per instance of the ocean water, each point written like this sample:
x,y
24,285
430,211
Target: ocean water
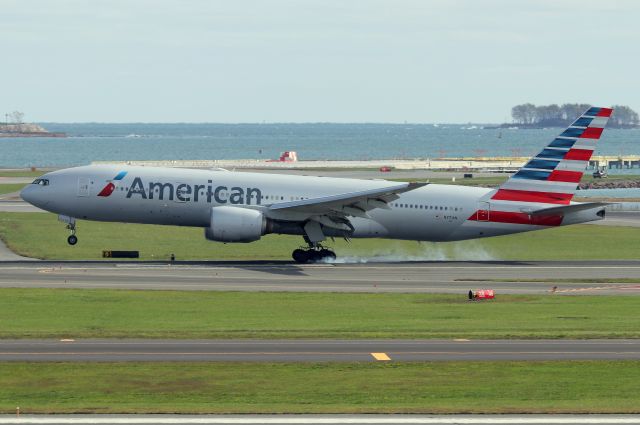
x,y
92,142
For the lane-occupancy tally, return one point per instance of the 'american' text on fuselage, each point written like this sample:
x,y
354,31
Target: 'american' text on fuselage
x,y
194,193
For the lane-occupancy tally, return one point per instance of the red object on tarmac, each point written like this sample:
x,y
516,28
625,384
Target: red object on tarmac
x,y
482,294
385,169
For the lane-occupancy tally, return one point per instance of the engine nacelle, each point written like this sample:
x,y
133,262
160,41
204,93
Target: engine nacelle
x,y
233,224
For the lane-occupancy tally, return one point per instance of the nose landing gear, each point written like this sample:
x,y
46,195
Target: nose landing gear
x,y
71,226
72,240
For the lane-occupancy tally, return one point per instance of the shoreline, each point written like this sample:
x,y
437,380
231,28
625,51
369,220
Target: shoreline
x,y
22,135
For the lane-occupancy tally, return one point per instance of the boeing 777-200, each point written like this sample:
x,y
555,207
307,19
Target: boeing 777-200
x,y
242,207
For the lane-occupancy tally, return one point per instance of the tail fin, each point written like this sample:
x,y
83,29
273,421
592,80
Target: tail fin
x,y
552,176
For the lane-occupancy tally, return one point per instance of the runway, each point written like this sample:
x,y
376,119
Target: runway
x,y
321,419
315,350
505,277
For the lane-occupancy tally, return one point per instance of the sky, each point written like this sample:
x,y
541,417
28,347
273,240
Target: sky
x,y
418,61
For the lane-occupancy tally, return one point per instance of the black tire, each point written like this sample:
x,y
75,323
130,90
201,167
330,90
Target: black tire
x,y
314,256
300,256
72,240
327,254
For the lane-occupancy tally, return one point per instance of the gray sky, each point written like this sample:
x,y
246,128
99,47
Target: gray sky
x,y
310,61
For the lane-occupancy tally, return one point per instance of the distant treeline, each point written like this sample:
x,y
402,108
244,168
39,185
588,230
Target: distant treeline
x,y
530,115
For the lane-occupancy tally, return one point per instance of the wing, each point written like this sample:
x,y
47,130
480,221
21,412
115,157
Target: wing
x,y
347,204
333,211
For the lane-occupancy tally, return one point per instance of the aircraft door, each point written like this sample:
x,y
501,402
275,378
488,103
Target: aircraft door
x,y
484,209
83,186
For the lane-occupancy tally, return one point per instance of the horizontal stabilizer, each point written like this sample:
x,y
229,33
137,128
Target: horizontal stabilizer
x,y
566,209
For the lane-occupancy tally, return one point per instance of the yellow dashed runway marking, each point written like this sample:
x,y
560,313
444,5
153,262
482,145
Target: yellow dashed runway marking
x,y
381,357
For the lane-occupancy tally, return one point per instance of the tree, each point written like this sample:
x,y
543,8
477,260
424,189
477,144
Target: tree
x,y
517,113
548,115
570,111
17,117
529,114
623,116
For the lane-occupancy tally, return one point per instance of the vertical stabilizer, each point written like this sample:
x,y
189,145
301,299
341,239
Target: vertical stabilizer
x,y
552,176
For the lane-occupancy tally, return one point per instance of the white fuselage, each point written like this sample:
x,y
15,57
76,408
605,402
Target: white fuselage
x,y
185,197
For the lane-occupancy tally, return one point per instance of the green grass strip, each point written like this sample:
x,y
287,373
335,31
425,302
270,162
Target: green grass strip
x,y
438,387
42,236
104,313
21,173
8,188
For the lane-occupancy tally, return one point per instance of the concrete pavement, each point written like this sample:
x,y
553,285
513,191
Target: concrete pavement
x,y
115,350
505,277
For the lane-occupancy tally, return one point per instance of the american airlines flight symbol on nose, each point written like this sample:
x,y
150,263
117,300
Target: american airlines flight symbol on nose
x,y
110,187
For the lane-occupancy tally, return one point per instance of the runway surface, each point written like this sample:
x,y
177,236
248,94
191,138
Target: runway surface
x,y
620,218
316,350
7,255
321,419
505,277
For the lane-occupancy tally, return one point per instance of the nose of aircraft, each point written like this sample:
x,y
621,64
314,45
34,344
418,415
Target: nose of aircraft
x,y
28,193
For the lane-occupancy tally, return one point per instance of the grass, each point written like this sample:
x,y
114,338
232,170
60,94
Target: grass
x,y
42,236
21,173
108,313
8,188
438,387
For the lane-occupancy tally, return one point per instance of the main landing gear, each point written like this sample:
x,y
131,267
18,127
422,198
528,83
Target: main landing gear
x,y
313,254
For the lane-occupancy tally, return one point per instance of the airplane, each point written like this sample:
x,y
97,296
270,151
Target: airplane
x,y
242,206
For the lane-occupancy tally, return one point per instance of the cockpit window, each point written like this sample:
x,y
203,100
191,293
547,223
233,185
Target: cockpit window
x,y
41,182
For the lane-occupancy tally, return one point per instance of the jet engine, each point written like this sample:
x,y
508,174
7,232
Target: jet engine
x,y
233,224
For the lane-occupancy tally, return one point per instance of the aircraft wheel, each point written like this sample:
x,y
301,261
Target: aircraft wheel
x,y
72,240
300,256
327,254
314,256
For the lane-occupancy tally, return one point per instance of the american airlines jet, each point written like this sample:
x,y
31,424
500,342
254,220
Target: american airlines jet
x,y
242,207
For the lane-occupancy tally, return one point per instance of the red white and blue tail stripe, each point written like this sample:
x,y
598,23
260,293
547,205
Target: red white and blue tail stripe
x,y
552,176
